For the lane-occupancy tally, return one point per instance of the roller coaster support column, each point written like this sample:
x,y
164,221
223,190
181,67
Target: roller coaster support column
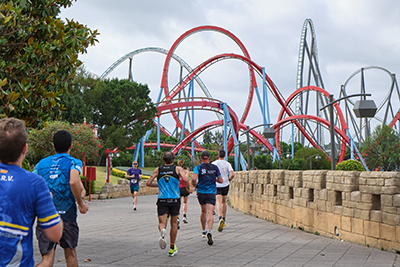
x,y
227,117
158,133
191,90
142,153
357,151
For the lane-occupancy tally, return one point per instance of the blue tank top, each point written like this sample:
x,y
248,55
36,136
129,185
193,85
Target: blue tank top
x,y
168,182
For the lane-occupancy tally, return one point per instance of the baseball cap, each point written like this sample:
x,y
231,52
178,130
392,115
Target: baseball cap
x,y
205,154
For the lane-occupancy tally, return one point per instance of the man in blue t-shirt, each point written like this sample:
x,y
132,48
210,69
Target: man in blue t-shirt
x,y
23,197
62,175
205,176
134,174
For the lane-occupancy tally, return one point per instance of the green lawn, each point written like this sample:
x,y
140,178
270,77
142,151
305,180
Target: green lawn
x,y
101,176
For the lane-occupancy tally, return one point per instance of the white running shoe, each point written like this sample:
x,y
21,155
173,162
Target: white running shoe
x,y
185,220
161,241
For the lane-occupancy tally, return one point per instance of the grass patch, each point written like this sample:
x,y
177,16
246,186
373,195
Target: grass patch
x,y
101,176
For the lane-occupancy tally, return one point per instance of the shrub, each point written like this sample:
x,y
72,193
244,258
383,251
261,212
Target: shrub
x,y
85,144
86,185
350,165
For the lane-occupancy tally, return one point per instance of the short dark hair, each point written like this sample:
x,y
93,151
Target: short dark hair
x,y
12,139
62,141
168,157
221,153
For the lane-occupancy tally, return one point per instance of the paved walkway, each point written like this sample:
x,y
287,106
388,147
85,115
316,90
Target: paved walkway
x,y
113,235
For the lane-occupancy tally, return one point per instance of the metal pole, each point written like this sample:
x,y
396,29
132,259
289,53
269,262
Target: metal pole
x,y
332,131
248,147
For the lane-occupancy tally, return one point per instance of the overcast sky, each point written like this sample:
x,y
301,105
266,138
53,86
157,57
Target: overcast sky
x,y
350,35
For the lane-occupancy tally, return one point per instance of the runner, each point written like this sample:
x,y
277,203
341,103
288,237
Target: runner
x,y
222,189
24,196
134,174
168,202
61,172
204,178
184,193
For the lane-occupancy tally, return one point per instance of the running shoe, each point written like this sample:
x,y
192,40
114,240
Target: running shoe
x,y
179,227
221,225
185,220
134,208
225,225
162,241
204,234
210,240
172,252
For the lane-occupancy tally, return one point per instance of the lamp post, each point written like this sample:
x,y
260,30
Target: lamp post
x,y
254,148
317,157
362,109
268,132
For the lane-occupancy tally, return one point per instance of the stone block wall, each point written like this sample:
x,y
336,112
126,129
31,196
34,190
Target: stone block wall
x,y
359,207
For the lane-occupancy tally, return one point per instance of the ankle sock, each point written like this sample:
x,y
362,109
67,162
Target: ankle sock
x,y
172,246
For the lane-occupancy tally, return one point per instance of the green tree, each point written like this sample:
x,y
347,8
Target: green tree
x,y
85,144
122,109
208,137
38,57
382,149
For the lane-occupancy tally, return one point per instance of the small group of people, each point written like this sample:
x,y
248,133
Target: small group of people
x,y
211,181
52,193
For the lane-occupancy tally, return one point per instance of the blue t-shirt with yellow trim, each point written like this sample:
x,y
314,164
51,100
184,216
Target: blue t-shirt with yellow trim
x,y
207,178
23,196
56,171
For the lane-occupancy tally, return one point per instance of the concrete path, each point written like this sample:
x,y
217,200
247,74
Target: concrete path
x,y
111,234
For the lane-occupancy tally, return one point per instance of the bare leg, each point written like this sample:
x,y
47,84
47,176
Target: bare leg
x,y
184,205
203,217
162,222
219,205
70,257
210,219
174,229
134,195
47,259
223,206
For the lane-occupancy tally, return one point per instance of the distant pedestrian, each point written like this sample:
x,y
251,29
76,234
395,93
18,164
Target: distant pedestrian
x,y
168,203
184,193
134,174
227,174
205,177
23,197
62,175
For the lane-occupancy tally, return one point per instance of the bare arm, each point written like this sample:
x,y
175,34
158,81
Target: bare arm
x,y
185,177
220,180
194,179
231,175
54,233
77,190
149,182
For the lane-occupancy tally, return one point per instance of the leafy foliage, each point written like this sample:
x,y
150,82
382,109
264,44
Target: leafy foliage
x,y
382,149
350,165
85,144
38,57
122,109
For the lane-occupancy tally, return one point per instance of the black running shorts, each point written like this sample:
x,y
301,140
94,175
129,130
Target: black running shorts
x,y
206,199
223,190
184,192
69,238
170,207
